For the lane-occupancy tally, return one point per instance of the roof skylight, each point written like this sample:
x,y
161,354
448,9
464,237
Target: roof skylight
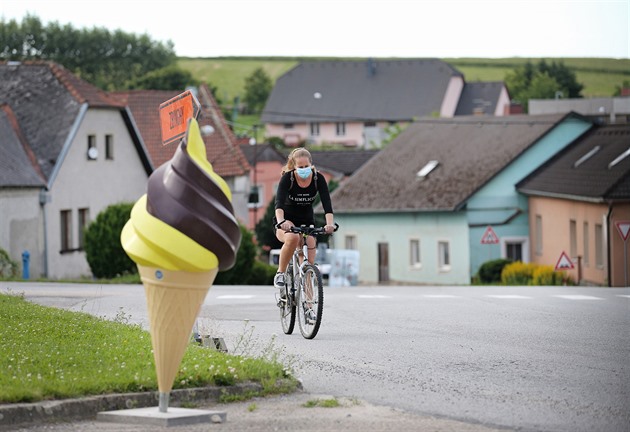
x,y
584,158
430,166
619,158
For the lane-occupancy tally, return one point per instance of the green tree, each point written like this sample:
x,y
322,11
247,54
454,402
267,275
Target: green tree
x,y
103,250
106,59
265,236
257,89
168,78
542,81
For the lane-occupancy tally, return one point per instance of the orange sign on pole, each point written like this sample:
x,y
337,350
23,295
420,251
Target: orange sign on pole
x,y
174,116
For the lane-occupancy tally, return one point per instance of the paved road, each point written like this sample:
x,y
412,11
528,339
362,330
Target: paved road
x,y
526,358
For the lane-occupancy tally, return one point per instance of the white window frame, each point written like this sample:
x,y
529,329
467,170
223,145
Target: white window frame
x,y
415,253
444,262
340,129
350,241
314,128
524,241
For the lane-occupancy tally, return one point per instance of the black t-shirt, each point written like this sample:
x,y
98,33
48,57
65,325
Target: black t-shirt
x,y
297,202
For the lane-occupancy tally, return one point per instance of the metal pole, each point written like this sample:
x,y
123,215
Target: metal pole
x,y
625,262
163,402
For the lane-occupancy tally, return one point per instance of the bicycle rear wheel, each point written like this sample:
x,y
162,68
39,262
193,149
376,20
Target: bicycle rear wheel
x,y
287,308
310,302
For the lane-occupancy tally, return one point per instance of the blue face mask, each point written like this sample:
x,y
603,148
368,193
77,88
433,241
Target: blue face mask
x,y
303,172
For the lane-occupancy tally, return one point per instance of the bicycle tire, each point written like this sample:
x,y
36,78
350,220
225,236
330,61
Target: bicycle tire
x,y
313,277
287,309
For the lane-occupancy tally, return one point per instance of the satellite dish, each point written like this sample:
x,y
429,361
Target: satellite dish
x,y
92,153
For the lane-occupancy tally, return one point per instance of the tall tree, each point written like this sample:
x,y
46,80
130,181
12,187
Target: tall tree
x,y
542,81
257,89
106,59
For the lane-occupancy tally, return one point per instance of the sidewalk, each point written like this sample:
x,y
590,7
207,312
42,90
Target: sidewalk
x,y
280,413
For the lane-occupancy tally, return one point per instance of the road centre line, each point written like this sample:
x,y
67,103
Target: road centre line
x,y
235,296
440,296
623,295
509,296
373,296
577,297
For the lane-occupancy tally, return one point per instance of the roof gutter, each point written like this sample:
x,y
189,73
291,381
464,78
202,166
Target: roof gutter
x,y
66,145
596,200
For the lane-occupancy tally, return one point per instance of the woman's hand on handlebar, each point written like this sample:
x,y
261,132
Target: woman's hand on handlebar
x,y
285,225
329,229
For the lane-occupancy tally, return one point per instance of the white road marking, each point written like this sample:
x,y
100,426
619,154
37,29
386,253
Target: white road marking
x,y
373,296
440,296
623,295
236,296
578,297
510,296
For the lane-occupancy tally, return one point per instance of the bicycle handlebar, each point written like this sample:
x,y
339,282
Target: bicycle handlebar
x,y
308,230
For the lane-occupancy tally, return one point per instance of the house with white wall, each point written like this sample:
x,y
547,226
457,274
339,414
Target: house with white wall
x,y
74,150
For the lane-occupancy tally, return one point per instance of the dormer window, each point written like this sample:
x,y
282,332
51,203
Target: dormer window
x,y
430,166
586,157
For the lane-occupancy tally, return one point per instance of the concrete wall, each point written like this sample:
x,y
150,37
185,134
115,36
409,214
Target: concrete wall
x,y
21,226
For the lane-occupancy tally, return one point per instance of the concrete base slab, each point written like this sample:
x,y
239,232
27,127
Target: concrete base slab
x,y
153,416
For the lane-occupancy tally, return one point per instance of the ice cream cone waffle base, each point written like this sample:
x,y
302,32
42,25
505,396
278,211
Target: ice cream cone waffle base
x,y
174,299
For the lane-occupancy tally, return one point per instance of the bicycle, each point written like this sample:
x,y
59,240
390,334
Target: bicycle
x,y
304,290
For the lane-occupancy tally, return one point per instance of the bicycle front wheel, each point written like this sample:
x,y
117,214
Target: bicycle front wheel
x,y
310,302
287,306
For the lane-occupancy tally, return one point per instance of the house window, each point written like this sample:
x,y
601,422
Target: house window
x,y
256,197
314,129
514,251
414,253
573,239
599,246
586,245
109,147
84,219
66,230
340,128
538,233
444,255
92,151
369,124
288,125
351,242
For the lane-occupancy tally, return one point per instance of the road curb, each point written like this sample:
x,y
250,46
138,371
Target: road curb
x,y
23,414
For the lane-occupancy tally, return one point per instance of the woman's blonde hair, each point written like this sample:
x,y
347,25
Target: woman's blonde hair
x,y
296,153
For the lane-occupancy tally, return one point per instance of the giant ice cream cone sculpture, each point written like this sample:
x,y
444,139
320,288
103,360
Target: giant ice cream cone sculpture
x,y
180,234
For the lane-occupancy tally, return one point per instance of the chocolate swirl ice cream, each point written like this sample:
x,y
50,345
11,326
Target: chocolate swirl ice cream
x,y
186,220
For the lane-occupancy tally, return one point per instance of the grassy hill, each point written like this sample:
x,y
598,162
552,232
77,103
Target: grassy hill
x,y
599,76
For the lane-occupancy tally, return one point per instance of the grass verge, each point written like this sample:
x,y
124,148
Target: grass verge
x,y
49,353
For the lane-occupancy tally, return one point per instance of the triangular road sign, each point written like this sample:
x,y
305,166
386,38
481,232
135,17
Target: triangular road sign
x,y
564,262
624,229
489,237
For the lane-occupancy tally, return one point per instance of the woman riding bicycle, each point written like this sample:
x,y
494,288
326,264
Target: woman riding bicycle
x,y
298,187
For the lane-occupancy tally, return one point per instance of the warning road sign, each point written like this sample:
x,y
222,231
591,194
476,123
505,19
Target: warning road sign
x,y
624,229
489,237
564,262
174,116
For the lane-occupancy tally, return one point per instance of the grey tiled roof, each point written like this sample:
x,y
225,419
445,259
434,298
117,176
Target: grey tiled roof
x,y
16,170
343,161
264,153
479,95
592,179
470,151
395,90
46,99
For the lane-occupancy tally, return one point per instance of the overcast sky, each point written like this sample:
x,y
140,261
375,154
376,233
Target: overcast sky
x,y
356,28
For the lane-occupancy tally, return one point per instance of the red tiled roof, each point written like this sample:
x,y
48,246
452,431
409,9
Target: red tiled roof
x,y
223,153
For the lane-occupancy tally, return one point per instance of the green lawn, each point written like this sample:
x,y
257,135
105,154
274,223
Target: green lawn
x,y
49,353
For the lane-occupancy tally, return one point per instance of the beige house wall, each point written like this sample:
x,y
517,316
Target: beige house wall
x,y
451,97
556,215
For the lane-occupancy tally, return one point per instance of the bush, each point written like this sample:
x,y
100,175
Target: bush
x,y
518,273
8,268
240,273
490,271
104,252
546,275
